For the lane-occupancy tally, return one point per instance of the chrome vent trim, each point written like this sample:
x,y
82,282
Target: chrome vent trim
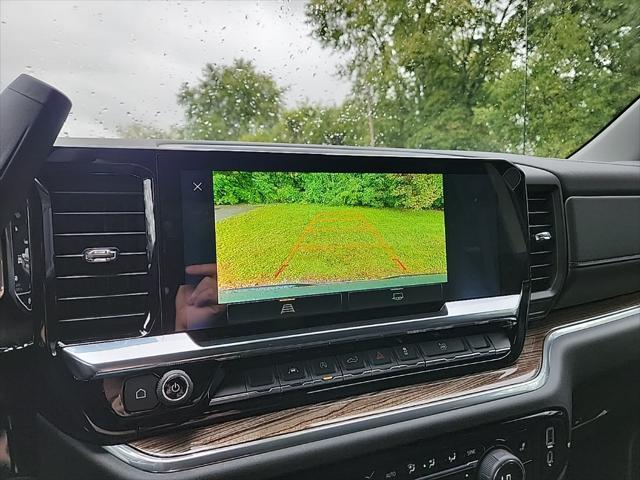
x,y
103,238
102,359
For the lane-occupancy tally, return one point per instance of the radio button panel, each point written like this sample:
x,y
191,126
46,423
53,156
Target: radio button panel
x,y
304,372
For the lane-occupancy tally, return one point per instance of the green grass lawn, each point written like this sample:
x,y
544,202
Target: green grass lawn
x,y
300,243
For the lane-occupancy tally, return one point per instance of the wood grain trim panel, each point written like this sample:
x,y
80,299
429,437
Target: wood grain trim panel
x,y
306,417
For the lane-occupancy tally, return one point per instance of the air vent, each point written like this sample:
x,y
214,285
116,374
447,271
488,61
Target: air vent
x,y
102,250
543,238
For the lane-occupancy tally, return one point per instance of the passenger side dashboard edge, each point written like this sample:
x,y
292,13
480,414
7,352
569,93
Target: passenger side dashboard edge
x,y
604,248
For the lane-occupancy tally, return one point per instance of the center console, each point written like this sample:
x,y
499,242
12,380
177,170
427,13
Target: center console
x,y
267,280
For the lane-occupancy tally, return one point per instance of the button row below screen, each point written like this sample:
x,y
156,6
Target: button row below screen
x,y
304,372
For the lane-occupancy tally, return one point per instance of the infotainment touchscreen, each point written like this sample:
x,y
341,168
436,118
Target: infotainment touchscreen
x,y
258,242
288,234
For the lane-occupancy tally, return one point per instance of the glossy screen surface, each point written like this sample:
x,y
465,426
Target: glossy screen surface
x,y
288,234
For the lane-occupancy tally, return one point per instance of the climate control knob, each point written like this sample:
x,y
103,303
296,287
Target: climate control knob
x,y
500,464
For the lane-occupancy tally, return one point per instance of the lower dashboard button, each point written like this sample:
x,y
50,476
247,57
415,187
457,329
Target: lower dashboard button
x,y
232,388
471,453
520,445
325,369
140,393
500,341
381,358
445,346
410,469
292,372
478,342
323,366
451,458
352,362
260,379
394,474
429,464
408,355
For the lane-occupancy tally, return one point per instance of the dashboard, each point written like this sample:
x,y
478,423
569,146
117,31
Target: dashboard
x,y
183,328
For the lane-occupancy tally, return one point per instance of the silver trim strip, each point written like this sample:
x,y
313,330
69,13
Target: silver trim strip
x,y
157,464
95,360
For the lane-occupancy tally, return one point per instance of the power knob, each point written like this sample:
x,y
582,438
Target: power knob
x,y
500,464
175,388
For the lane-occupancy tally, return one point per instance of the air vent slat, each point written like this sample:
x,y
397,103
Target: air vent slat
x,y
541,219
97,202
126,274
106,318
542,265
102,300
82,223
101,285
96,234
114,295
101,214
89,329
68,245
113,305
77,266
95,183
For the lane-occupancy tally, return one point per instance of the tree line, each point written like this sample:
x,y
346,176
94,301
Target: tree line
x,y
413,191
538,77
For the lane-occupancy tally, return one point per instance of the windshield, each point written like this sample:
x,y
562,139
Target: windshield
x,y
506,76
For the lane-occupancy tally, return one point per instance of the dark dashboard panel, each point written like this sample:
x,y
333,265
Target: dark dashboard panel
x,y
604,247
309,417
582,178
116,259
597,235
613,332
70,212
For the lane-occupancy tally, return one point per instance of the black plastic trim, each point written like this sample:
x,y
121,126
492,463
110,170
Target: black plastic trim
x,y
571,360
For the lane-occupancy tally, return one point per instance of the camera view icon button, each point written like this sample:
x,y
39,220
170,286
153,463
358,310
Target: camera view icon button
x,y
397,296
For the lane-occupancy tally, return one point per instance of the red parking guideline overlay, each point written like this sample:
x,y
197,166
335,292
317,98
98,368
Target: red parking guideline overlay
x,y
315,226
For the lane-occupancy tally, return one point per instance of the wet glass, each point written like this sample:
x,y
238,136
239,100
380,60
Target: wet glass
x,y
537,77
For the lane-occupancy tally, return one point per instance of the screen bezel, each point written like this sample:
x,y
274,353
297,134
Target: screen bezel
x,y
512,256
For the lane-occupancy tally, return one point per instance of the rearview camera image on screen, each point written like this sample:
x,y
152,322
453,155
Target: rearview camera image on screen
x,y
286,234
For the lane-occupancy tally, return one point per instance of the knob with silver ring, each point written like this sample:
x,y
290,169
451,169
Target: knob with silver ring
x,y
175,388
500,464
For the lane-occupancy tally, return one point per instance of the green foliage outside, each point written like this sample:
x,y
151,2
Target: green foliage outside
x,y
410,191
281,244
230,102
453,74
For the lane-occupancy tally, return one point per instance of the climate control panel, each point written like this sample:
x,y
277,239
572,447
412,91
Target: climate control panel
x,y
530,448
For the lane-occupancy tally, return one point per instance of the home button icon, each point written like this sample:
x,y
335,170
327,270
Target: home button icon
x,y
139,393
